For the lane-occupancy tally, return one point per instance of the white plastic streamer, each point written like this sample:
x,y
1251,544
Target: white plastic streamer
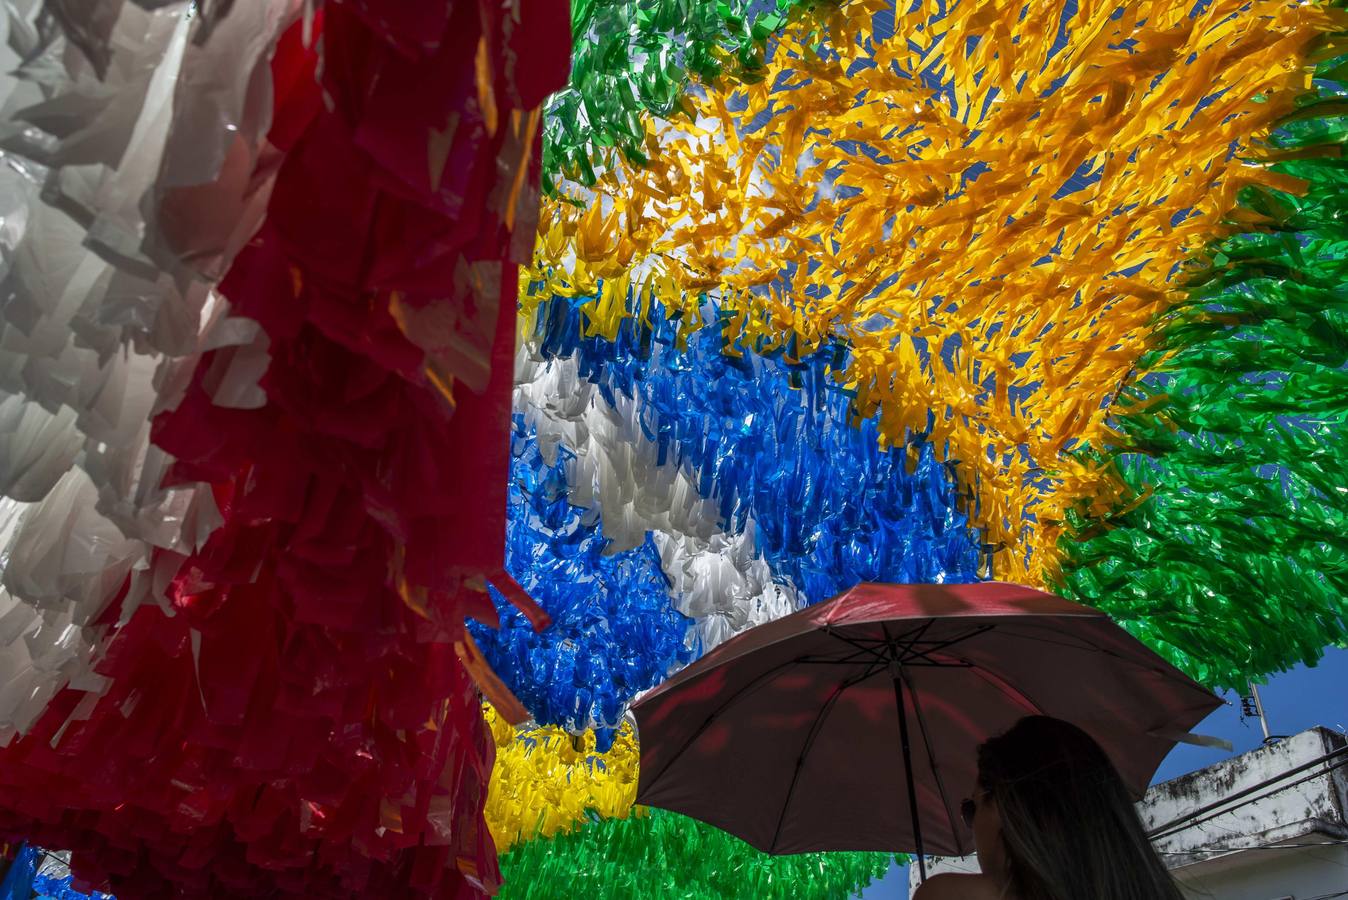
x,y
723,584
133,165
717,577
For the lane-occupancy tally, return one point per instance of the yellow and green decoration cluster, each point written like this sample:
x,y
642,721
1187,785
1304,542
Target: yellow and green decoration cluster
x,y
1092,253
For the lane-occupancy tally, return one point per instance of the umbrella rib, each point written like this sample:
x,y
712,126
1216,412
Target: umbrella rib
x,y
941,645
912,637
850,659
1006,687
819,719
751,686
935,769
916,665
909,643
873,652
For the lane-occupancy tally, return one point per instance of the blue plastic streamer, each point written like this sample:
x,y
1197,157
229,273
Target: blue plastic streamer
x,y
45,886
18,881
771,439
775,439
614,632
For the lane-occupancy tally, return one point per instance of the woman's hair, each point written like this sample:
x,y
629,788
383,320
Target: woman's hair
x,y
1069,828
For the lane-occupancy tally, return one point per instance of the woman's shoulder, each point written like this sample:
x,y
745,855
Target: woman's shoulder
x,y
959,887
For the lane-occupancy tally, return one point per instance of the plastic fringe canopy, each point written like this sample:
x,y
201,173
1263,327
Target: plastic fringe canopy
x,y
770,442
17,883
986,207
769,447
773,439
1232,559
1178,443
547,781
257,318
614,632
63,889
664,856
634,59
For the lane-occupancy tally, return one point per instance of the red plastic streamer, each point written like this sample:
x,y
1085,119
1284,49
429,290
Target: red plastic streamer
x,y
304,723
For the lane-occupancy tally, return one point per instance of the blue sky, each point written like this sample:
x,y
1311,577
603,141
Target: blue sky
x,y
1293,701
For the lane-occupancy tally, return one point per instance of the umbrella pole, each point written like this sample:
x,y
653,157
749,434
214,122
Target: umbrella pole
x,y
908,775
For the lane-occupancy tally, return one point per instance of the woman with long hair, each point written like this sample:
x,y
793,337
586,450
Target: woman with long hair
x,y
1053,820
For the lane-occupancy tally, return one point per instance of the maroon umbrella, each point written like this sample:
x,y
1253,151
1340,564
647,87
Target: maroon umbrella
x,y
853,725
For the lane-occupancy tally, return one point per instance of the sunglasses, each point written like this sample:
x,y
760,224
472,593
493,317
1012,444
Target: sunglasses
x,y
967,810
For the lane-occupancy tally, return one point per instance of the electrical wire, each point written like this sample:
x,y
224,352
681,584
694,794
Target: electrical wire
x,y
1301,846
1192,817
1190,822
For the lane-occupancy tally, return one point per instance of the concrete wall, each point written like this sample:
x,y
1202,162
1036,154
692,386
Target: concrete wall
x,y
1295,874
1316,805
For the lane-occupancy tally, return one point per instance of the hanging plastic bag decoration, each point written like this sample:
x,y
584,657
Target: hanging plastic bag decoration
x,y
294,475
1005,235
821,293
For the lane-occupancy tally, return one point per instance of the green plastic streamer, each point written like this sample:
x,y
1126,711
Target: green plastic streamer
x,y
1234,562
666,856
631,58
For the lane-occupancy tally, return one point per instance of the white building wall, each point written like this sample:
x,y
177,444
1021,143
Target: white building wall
x,y
1289,874
1311,802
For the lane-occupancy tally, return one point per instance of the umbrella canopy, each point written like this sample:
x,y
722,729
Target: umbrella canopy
x,y
791,734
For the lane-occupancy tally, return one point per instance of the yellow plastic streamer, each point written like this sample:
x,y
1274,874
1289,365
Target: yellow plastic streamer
x,y
990,225
545,781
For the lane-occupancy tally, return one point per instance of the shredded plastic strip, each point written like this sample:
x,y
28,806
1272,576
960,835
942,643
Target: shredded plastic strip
x,y
547,781
1229,554
634,60
987,208
663,854
770,449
